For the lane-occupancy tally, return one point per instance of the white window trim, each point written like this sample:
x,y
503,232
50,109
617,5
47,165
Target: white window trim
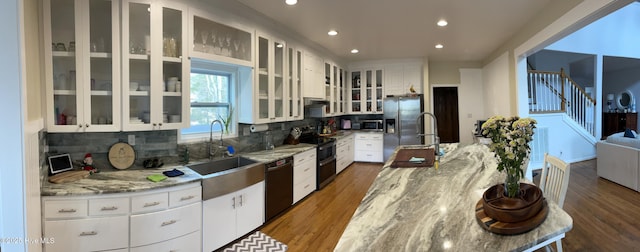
x,y
234,73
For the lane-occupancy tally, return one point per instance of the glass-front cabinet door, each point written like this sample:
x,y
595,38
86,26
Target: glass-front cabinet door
x,y
294,78
82,65
366,91
154,67
270,86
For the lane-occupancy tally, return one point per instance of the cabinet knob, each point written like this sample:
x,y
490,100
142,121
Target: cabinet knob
x,y
86,125
159,124
79,125
155,124
88,233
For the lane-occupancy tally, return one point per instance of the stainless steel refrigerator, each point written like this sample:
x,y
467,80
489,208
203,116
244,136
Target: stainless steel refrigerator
x,y
400,114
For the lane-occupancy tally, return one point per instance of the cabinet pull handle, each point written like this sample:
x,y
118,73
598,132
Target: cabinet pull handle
x,y
151,204
307,186
233,203
111,208
241,199
301,160
67,210
88,233
307,169
166,223
187,198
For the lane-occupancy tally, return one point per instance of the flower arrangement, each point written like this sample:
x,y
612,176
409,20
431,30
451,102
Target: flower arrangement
x,y
510,139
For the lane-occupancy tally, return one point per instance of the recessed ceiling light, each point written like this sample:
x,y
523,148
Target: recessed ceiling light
x,y
442,22
291,2
354,50
439,46
332,32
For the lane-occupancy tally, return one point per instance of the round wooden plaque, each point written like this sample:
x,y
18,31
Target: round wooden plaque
x,y
121,155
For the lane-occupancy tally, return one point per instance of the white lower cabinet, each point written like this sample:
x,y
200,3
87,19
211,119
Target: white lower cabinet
x,y
368,147
184,243
344,152
304,174
232,215
164,225
90,234
117,222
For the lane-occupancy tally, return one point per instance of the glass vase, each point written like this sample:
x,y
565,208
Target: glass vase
x,y
512,185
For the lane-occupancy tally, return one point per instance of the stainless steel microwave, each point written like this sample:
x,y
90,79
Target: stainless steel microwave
x,y
373,125
315,111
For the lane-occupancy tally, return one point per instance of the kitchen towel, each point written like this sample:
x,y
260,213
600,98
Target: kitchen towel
x,y
156,177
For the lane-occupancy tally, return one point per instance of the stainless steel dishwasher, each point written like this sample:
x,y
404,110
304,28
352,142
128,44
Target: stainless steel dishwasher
x,y
279,187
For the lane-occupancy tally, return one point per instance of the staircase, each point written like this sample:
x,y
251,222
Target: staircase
x,y
556,92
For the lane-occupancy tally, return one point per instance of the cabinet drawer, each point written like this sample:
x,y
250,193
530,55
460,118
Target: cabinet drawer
x,y
304,188
87,234
190,242
110,206
303,171
149,202
368,156
185,196
305,156
54,209
161,226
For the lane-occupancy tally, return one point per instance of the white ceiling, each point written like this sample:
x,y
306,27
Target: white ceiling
x,y
385,29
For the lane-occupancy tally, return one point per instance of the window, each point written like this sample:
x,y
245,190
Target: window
x,y
212,98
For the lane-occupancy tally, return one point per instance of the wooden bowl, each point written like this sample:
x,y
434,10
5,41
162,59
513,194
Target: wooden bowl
x,y
504,209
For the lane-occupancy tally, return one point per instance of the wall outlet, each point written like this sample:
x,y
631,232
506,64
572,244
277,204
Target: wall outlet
x,y
132,139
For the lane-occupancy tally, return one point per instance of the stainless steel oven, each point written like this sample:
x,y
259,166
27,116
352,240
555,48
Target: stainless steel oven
x,y
326,156
326,169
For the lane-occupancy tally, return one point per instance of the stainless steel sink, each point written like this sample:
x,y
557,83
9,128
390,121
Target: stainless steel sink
x,y
221,165
228,175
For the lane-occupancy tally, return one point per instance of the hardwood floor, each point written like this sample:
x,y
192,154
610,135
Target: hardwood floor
x,y
606,216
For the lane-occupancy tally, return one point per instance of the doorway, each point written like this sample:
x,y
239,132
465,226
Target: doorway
x,y
445,108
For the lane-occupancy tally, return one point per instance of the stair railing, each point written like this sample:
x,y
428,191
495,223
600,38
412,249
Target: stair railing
x,y
556,92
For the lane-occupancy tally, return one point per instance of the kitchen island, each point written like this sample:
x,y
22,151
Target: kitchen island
x,y
424,209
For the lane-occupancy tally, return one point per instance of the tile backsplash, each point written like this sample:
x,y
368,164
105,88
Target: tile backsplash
x,y
161,144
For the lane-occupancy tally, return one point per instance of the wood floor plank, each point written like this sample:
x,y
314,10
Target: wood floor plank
x,y
606,216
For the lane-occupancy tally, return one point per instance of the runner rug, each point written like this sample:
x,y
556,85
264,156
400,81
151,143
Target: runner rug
x,y
257,242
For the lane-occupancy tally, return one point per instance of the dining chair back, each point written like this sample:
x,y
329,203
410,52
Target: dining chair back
x,y
555,179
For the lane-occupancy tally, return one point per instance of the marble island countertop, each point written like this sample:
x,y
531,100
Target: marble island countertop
x,y
134,180
424,209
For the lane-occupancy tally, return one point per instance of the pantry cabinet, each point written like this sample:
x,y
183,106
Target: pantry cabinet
x,y
82,65
264,100
155,67
366,91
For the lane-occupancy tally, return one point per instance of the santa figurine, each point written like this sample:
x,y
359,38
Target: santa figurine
x,y
87,163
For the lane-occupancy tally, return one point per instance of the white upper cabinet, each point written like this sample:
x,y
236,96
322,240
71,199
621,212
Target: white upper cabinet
x,y
334,88
217,41
314,77
155,67
295,108
400,77
82,65
366,91
265,100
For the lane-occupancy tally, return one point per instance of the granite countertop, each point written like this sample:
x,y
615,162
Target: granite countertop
x,y
118,182
267,156
134,180
424,209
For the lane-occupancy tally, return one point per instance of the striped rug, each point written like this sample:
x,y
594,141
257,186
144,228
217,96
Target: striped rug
x,y
257,242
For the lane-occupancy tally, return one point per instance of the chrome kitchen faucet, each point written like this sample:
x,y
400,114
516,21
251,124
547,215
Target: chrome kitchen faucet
x,y
212,151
